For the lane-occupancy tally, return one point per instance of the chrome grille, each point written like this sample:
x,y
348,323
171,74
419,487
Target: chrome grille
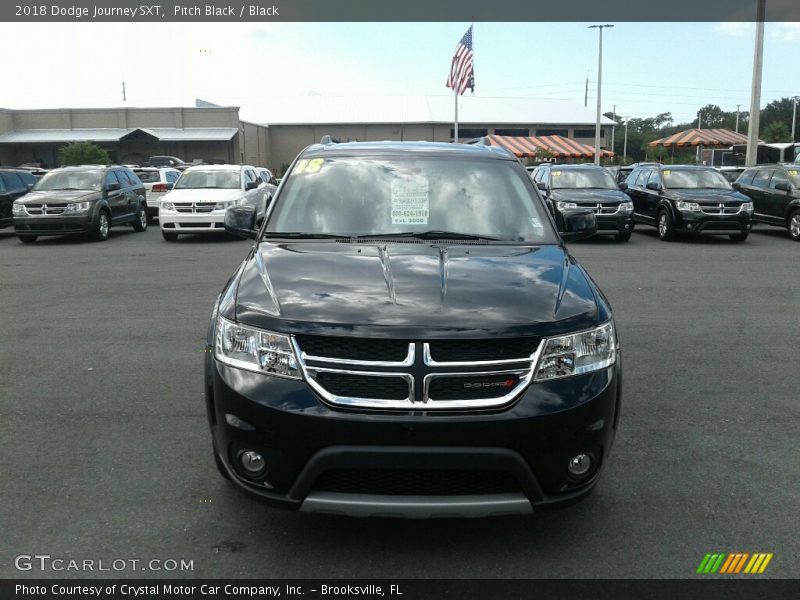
x,y
601,208
46,208
721,208
194,207
405,375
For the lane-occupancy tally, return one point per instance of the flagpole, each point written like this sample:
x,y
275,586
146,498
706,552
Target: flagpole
x,y
455,127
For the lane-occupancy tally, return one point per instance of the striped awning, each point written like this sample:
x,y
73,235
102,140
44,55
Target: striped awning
x,y
558,146
701,137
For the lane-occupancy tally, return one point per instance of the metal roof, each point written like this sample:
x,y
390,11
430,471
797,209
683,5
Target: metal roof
x,y
422,109
557,145
115,134
701,137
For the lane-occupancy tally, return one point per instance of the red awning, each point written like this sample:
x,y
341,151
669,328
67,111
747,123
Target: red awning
x,y
558,146
701,137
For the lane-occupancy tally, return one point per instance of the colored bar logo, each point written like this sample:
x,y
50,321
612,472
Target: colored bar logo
x,y
734,563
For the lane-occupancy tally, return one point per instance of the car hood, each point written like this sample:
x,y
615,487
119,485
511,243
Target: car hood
x,y
701,195
590,196
202,195
59,196
415,290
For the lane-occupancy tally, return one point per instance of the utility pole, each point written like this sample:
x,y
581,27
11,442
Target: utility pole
x,y
625,143
755,90
586,92
737,117
599,89
794,115
614,126
123,91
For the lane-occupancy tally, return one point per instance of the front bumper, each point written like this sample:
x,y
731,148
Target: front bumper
x,y
192,222
614,224
301,439
53,224
694,222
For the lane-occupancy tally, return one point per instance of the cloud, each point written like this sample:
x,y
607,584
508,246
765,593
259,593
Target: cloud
x,y
787,32
733,28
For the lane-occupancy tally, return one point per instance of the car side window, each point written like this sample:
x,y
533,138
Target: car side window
x,y
172,177
27,178
762,177
111,178
249,176
779,176
13,182
132,177
655,177
633,178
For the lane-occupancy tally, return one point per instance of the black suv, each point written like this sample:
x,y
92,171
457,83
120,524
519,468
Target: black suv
x,y
14,183
775,192
691,199
409,336
87,199
568,187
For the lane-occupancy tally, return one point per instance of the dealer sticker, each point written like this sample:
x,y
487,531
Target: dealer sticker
x,y
410,202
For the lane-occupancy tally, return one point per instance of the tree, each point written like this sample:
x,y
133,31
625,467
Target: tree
x,y
776,131
82,153
780,111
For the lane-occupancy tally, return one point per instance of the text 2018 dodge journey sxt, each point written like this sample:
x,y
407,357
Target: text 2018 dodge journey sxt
x,y
409,337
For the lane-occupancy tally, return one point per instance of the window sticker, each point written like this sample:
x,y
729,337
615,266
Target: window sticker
x,y
667,172
793,173
410,202
556,173
535,222
306,166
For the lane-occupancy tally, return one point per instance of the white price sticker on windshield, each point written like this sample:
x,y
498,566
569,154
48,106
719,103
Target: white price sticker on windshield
x,y
410,202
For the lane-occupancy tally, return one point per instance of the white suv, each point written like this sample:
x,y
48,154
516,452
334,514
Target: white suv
x,y
203,193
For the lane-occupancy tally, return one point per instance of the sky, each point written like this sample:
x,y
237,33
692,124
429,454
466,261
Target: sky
x,y
648,68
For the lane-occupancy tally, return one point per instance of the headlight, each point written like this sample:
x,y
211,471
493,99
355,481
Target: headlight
x,y
224,205
18,209
255,350
241,201
561,205
747,207
626,208
687,206
76,208
578,353
166,205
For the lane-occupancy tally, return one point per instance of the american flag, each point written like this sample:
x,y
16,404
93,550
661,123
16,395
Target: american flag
x,y
461,73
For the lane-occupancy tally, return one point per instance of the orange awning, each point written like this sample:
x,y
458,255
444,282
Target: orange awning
x,y
558,146
701,137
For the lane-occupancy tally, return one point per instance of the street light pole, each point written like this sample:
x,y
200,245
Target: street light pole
x,y
794,115
737,117
599,90
625,144
755,90
614,126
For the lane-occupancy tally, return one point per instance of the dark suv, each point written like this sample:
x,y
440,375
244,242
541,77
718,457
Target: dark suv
x,y
775,192
568,187
14,183
691,199
409,336
86,199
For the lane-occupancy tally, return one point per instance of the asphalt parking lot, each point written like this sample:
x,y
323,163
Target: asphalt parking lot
x,y
106,452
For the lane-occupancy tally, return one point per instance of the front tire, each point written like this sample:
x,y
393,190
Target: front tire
x,y
27,239
140,223
739,237
169,236
623,236
794,225
666,227
102,225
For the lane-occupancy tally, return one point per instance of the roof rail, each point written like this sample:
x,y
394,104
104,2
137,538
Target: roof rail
x,y
327,139
483,141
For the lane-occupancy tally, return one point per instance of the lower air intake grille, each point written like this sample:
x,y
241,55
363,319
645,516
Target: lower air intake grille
x,y
363,386
416,482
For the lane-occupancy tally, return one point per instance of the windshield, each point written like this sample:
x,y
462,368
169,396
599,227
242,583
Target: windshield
x,y
694,179
71,180
413,196
583,178
211,178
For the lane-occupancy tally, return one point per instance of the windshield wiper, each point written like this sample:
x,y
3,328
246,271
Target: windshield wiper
x,y
305,234
431,234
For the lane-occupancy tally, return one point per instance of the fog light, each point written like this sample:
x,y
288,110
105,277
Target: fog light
x,y
690,226
580,465
252,463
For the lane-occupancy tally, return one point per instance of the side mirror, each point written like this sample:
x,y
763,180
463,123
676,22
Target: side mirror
x,y
541,185
578,224
241,221
652,185
737,186
112,187
783,186
623,186
29,187
250,185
